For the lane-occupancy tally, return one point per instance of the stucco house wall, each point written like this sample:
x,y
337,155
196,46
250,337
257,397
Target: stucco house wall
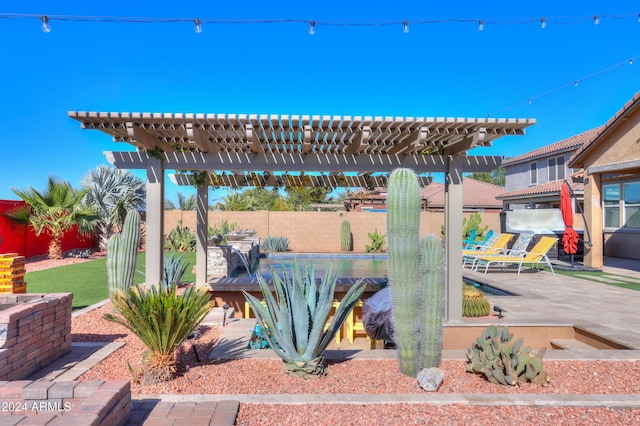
x,y
612,158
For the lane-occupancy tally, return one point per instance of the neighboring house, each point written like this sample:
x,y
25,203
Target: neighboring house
x,y
611,162
477,196
533,180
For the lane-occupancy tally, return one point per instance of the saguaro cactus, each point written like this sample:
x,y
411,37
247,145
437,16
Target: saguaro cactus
x,y
122,254
403,226
431,301
345,236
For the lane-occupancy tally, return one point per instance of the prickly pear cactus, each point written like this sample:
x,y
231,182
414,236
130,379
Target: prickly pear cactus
x,y
345,236
503,362
122,254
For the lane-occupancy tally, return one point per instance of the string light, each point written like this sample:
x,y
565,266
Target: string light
x,y
563,20
312,27
405,27
46,28
543,23
573,83
198,26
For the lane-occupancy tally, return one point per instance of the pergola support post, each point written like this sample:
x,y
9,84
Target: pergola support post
x,y
453,239
202,211
155,222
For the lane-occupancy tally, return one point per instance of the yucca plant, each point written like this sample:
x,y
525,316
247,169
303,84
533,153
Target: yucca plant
x,y
174,268
294,320
162,320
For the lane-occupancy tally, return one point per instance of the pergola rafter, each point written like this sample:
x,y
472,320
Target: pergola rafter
x,y
286,180
247,145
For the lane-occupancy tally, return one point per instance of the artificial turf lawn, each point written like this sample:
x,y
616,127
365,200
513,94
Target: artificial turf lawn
x,y
601,278
87,280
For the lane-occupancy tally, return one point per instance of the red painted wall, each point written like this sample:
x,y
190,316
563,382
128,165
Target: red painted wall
x,y
22,239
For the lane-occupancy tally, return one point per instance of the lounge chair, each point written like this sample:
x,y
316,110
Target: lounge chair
x,y
488,240
535,256
496,246
471,239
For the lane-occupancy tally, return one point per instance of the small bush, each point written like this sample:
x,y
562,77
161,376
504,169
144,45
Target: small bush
x,y
275,244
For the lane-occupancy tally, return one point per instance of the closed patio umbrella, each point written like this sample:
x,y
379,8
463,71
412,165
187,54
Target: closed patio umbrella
x,y
570,236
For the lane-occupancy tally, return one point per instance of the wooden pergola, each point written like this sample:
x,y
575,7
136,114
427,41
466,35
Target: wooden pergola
x,y
212,149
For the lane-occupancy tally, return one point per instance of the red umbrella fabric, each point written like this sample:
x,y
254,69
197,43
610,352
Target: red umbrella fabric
x,y
570,237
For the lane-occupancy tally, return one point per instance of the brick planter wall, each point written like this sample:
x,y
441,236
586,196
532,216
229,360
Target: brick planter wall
x,y
93,402
33,333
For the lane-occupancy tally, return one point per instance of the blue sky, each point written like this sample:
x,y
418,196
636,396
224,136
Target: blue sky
x,y
445,69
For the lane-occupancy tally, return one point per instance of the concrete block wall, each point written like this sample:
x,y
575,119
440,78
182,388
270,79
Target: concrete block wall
x,y
33,333
68,403
316,231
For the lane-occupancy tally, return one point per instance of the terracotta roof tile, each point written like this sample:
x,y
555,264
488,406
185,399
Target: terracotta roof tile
x,y
475,193
545,189
564,145
602,129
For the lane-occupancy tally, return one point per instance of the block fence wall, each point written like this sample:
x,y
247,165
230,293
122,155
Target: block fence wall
x,y
315,231
33,333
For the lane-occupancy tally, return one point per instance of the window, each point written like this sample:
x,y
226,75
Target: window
x,y
533,175
631,192
556,168
611,201
621,204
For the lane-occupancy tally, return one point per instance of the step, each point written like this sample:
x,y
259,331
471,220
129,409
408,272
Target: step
x,y
570,344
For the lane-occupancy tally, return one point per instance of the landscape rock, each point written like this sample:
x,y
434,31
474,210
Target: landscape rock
x,y
430,379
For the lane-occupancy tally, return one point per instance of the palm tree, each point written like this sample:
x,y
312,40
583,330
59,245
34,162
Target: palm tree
x,y
55,212
112,192
184,203
237,202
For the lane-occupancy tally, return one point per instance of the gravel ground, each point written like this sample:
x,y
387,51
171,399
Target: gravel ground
x,y
201,376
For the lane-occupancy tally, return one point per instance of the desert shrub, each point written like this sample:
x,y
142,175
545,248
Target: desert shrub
x,y
275,244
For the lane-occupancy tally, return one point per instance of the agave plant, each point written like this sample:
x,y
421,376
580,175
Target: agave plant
x,y
294,320
162,319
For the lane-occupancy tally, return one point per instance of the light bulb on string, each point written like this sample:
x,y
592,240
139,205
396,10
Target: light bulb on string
x,y
46,28
630,61
198,26
530,101
312,27
405,27
543,23
480,25
596,20
575,83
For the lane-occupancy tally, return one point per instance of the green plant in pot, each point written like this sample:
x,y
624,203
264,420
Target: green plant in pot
x,y
295,318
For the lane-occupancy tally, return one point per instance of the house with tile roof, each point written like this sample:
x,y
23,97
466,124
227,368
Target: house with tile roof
x,y
533,180
477,196
611,163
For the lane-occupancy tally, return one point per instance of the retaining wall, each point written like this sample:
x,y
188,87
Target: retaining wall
x,y
33,333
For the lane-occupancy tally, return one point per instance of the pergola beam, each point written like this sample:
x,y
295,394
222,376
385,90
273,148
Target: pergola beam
x,y
144,139
313,162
